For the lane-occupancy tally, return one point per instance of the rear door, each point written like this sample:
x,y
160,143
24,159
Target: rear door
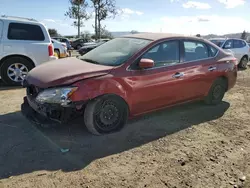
x,y
200,68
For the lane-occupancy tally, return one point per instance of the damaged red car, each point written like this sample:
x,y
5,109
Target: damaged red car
x,y
129,76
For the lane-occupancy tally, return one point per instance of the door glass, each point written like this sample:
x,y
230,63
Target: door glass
x,y
228,44
195,50
164,54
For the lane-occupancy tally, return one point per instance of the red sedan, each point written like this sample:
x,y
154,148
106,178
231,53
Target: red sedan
x,y
127,77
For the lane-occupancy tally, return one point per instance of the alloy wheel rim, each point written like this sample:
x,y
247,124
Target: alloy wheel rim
x,y
17,72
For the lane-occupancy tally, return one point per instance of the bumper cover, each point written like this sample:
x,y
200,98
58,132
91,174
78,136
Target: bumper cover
x,y
47,113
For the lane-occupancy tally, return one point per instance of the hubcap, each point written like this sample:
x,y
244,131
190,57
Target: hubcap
x,y
17,72
217,91
107,116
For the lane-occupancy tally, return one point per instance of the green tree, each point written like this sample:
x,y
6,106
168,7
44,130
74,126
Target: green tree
x,y
53,33
244,35
77,11
103,9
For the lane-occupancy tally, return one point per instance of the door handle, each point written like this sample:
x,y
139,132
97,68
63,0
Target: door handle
x,y
178,75
212,68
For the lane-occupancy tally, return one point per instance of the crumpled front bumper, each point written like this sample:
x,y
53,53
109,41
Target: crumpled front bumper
x,y
46,113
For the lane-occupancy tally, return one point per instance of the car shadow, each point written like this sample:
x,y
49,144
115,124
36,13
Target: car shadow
x,y
27,148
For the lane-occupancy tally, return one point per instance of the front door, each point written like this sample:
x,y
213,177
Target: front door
x,y
162,85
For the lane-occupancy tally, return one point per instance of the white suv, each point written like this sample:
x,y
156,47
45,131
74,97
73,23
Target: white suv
x,y
24,44
238,47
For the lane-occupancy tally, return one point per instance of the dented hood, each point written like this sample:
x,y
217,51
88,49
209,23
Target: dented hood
x,y
64,71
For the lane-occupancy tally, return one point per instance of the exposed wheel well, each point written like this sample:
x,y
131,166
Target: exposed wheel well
x,y
10,56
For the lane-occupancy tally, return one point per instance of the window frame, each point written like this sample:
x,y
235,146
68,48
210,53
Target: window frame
x,y
198,41
18,23
223,46
129,68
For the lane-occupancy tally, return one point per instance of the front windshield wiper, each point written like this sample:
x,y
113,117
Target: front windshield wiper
x,y
90,61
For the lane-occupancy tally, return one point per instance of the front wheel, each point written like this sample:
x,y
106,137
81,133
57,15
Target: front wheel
x,y
106,114
216,92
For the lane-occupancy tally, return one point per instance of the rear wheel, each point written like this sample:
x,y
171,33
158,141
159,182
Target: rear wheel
x,y
105,115
57,53
243,62
216,92
14,70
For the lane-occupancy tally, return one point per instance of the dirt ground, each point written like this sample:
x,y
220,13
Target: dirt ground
x,y
187,146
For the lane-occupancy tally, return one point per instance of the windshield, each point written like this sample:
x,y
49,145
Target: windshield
x,y
218,42
115,52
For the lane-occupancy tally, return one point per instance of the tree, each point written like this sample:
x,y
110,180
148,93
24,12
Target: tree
x,y
244,35
104,34
102,9
198,35
86,34
53,32
77,11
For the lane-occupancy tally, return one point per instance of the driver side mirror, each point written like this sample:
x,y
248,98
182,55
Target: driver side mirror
x,y
146,63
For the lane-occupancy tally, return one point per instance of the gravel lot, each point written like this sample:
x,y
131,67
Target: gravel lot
x,y
187,146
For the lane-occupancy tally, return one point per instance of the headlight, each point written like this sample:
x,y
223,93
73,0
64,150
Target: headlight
x,y
56,95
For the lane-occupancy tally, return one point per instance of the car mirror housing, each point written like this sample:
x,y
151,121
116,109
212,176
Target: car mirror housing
x,y
146,63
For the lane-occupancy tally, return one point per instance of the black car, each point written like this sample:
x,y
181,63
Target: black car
x,y
78,43
87,48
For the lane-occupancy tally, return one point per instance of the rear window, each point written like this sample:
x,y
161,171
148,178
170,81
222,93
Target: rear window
x,y
19,31
239,44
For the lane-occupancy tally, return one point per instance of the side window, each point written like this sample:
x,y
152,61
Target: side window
x,y
212,51
239,44
195,50
228,44
164,54
19,31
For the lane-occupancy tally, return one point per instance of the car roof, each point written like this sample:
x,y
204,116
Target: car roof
x,y
19,19
157,36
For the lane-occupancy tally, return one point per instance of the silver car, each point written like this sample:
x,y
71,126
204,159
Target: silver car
x,y
238,47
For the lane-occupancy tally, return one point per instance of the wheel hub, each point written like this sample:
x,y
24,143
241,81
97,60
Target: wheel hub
x,y
217,91
108,116
16,72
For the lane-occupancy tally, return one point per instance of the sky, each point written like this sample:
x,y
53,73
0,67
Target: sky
x,y
168,16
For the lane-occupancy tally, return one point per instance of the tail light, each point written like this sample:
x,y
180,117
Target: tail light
x,y
50,50
234,61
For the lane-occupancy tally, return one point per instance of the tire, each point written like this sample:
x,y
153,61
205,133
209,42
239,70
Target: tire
x,y
99,111
216,92
14,67
57,53
78,46
243,62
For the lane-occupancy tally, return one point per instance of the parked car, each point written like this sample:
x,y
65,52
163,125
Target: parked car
x,y
129,76
87,48
238,47
64,40
60,49
78,43
24,44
